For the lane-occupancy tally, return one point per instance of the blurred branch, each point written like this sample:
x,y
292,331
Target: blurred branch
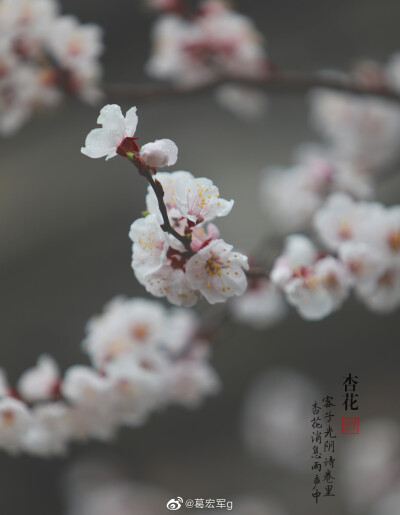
x,y
276,82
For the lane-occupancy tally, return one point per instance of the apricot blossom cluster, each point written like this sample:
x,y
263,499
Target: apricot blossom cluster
x,y
177,252
44,55
143,358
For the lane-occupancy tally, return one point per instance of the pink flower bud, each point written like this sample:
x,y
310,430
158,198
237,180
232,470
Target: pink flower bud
x,y
159,153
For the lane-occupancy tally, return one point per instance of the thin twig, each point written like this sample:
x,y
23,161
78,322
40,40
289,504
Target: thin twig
x,y
156,186
275,82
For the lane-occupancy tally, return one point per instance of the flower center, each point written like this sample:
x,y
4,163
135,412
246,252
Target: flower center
x,y
8,417
344,231
140,331
394,240
213,267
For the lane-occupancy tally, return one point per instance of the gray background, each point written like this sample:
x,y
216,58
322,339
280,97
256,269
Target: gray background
x,y
64,252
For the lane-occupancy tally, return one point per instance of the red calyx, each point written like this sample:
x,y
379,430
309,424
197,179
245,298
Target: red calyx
x,y
127,145
177,261
302,272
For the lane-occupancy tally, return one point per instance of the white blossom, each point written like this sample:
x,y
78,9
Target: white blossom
x,y
171,283
365,265
49,430
135,390
14,422
218,271
73,44
115,128
367,238
198,200
41,382
246,103
337,221
217,41
362,129
44,55
190,380
319,292
315,285
286,198
261,306
125,325
160,153
299,254
150,245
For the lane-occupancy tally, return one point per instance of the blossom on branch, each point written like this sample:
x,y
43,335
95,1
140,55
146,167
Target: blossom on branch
x,y
44,55
116,129
261,306
215,42
162,263
159,154
366,235
314,284
143,358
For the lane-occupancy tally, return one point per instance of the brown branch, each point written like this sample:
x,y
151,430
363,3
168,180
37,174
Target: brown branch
x,y
276,82
147,173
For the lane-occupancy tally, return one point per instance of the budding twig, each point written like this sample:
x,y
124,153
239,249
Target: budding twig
x,y
274,82
147,173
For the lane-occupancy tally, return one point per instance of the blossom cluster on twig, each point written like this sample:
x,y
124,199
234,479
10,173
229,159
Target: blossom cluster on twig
x,y
43,56
137,366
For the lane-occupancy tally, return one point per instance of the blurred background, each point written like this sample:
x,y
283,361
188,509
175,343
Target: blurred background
x,y
64,252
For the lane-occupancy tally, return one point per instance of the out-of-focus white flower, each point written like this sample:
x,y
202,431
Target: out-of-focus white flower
x,y
316,293
27,22
371,462
190,380
49,430
41,382
299,254
246,103
367,238
135,390
362,129
42,56
125,325
261,306
150,245
74,44
384,295
20,92
216,42
218,271
290,196
334,222
181,327
116,128
315,286
364,264
286,198
84,386
160,153
276,421
14,422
